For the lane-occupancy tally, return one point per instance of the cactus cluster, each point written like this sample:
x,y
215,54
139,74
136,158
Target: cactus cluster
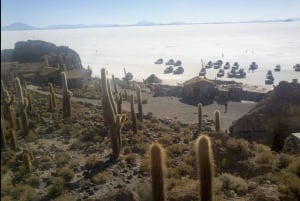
x,y
9,110
111,119
67,94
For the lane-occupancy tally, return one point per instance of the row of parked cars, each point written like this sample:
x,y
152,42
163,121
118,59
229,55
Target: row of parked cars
x,y
173,66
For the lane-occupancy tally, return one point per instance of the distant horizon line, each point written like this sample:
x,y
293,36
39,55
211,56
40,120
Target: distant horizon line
x,y
18,26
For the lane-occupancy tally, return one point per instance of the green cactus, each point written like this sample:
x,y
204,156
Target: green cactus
x,y
27,157
24,117
29,102
158,168
3,133
13,139
67,94
133,116
111,118
119,102
51,89
139,102
50,103
205,167
199,116
115,84
19,89
9,109
217,121
3,89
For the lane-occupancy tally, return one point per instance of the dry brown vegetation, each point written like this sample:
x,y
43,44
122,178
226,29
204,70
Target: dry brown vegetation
x,y
72,160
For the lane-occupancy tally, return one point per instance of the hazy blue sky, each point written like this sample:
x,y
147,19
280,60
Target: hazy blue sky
x,y
48,12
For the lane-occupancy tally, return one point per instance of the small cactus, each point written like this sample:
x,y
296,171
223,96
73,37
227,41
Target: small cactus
x,y
67,108
13,139
27,157
199,116
217,121
133,116
51,89
139,102
24,117
158,168
50,103
205,167
3,134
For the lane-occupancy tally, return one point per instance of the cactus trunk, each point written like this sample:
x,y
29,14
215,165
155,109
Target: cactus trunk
x,y
158,172
205,167
13,139
139,102
133,116
217,121
199,116
67,110
3,133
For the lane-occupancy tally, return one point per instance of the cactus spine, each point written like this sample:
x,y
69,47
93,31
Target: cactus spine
x,y
133,115
13,138
158,172
51,89
27,157
67,94
139,102
199,116
111,118
217,121
24,117
205,167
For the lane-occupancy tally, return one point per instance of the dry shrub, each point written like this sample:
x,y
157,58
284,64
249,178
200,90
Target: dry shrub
x,y
181,170
166,139
287,183
175,149
102,177
66,173
238,146
284,160
231,182
264,155
294,167
144,191
91,162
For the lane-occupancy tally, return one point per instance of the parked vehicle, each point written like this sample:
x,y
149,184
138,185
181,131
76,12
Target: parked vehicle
x,y
218,64
269,81
269,75
159,61
179,70
277,68
240,74
227,65
168,70
178,63
236,65
297,67
202,72
221,73
232,73
209,64
170,62
129,76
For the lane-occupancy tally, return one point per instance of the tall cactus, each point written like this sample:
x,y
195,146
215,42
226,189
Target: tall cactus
x,y
119,102
29,102
67,94
158,168
133,115
111,118
24,117
3,133
217,121
19,89
205,167
115,84
139,102
13,139
9,109
27,157
51,89
50,102
3,89
199,116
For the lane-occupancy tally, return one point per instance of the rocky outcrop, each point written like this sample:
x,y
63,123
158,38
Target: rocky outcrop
x,y
292,144
272,119
36,51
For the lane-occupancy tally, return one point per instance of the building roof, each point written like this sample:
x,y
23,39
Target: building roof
x,y
198,79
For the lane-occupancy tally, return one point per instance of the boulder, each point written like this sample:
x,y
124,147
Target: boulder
x,y
272,119
36,51
292,144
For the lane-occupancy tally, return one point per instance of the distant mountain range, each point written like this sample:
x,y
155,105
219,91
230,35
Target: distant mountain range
x,y
21,26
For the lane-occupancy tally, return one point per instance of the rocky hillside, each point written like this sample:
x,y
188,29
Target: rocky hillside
x,y
37,50
273,119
